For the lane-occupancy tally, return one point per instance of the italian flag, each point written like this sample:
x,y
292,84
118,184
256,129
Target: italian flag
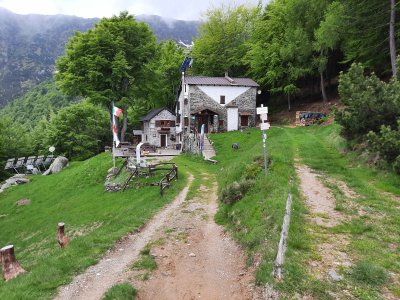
x,y
116,111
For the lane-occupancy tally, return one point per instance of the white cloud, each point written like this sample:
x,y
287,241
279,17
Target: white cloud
x,y
176,9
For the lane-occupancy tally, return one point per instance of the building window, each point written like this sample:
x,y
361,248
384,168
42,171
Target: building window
x,y
244,121
185,101
186,120
221,123
165,123
222,99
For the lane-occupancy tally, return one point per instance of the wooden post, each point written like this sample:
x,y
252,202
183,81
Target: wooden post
x,y
176,170
10,265
280,257
61,238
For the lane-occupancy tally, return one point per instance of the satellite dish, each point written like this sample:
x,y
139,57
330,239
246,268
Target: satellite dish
x,y
52,149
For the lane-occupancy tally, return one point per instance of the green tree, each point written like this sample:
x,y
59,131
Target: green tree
x,y
327,39
78,131
108,63
366,36
222,41
14,142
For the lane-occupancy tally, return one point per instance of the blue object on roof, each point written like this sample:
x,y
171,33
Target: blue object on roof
x,y
187,62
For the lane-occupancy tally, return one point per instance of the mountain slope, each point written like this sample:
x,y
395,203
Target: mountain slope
x,y
30,44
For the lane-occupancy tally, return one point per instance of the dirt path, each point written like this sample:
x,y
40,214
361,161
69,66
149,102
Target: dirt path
x,y
331,248
97,279
195,258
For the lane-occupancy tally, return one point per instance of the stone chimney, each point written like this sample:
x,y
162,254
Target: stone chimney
x,y
229,79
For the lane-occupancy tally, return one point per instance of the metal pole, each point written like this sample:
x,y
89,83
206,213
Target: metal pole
x,y
264,136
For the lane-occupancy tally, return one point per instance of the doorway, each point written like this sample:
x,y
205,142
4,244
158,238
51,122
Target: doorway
x,y
163,140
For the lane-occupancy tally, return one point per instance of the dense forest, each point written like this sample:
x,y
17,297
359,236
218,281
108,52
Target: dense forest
x,y
296,50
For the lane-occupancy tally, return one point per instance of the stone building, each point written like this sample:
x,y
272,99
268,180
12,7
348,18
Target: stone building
x,y
220,103
158,128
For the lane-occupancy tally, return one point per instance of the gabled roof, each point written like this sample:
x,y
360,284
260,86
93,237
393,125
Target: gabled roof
x,y
224,81
154,113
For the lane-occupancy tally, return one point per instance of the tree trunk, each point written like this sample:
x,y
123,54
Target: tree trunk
x,y
324,97
10,265
288,101
124,125
392,44
61,238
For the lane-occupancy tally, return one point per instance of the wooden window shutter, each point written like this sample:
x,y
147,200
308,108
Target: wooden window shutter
x,y
158,123
222,99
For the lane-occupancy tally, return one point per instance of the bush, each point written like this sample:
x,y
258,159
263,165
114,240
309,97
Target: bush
x,y
370,102
370,274
387,144
236,191
253,169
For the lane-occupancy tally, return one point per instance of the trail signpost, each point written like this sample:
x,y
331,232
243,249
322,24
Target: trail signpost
x,y
264,125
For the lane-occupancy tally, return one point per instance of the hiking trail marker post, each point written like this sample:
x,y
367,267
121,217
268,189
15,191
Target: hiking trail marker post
x,y
264,125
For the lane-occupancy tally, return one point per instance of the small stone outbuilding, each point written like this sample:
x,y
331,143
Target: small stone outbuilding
x,y
158,128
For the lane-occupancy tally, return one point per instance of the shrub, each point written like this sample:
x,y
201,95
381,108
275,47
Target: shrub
x,y
369,273
387,144
369,102
235,191
253,169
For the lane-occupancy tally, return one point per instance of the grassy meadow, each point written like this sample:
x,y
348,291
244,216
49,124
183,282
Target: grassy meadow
x,y
96,219
256,220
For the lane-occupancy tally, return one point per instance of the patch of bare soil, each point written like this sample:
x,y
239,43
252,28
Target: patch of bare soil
x,y
330,248
289,117
196,259
348,192
319,199
97,279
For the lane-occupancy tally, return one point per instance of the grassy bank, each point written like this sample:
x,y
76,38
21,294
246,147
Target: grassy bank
x,y
256,219
94,221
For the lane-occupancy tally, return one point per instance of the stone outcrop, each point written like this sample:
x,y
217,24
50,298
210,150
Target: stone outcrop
x,y
12,181
58,164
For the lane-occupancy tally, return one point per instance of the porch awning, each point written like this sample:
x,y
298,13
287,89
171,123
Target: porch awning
x,y
245,114
204,111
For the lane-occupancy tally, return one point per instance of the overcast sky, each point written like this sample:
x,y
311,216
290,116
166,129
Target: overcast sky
x,y
176,9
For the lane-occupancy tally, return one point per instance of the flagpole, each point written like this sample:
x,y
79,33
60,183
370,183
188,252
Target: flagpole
x,y
112,116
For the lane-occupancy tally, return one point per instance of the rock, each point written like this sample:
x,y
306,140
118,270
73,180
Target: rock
x,y
5,186
192,255
334,276
58,164
17,180
23,202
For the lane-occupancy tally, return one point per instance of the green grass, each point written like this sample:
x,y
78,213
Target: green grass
x,y
255,221
146,261
123,291
94,220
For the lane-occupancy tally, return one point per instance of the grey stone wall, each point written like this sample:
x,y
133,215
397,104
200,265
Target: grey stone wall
x,y
198,100
246,103
153,136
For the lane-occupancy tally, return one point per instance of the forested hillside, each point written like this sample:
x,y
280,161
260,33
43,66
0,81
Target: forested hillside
x,y
29,45
38,103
